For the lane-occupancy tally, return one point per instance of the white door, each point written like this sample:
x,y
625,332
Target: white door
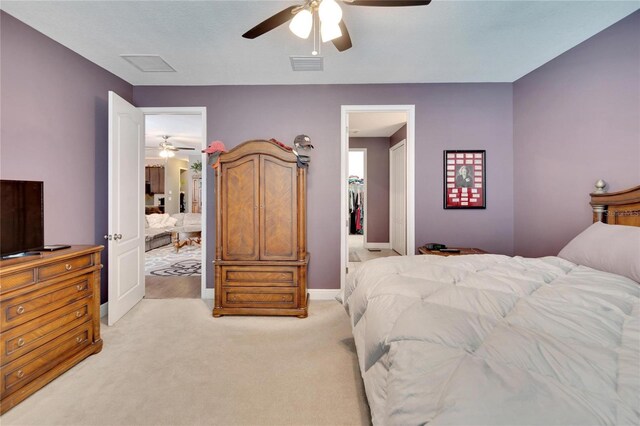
x,y
398,198
126,204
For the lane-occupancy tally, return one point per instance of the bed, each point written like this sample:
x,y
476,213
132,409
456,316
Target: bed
x,y
491,339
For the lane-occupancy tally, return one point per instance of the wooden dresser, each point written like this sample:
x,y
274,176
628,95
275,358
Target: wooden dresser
x,y
50,307
261,248
463,251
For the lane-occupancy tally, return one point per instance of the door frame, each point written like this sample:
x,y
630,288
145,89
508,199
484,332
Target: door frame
x,y
391,182
364,178
205,293
410,110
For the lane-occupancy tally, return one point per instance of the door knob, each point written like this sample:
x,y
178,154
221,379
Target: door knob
x,y
108,237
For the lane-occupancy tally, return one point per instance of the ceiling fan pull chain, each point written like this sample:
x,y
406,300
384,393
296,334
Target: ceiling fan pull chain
x,y
314,52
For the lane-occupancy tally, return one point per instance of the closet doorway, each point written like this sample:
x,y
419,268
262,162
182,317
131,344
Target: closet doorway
x,y
357,203
174,189
372,138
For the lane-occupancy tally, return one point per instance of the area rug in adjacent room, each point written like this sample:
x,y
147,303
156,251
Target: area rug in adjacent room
x,y
165,262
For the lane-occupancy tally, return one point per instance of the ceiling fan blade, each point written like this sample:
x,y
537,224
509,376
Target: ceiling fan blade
x,y
387,3
185,148
343,42
270,23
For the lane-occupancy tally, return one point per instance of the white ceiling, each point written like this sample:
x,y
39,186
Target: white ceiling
x,y
447,41
375,124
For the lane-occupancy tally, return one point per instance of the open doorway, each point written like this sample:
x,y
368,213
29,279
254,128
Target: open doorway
x,y
174,235
378,212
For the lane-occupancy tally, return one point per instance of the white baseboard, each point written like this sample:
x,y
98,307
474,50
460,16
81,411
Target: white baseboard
x,y
314,294
322,293
377,245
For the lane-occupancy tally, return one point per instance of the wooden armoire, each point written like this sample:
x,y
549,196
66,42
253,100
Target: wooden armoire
x,y
261,250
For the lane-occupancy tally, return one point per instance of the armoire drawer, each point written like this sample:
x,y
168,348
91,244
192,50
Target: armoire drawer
x,y
259,276
20,309
258,297
27,337
30,366
65,266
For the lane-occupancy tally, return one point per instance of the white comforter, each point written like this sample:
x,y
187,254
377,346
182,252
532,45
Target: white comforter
x,y
489,339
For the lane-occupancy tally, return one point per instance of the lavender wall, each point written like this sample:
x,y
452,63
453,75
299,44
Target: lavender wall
x,y
377,213
448,116
576,120
54,129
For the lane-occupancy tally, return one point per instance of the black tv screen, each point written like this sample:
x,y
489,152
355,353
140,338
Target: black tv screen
x,y
21,216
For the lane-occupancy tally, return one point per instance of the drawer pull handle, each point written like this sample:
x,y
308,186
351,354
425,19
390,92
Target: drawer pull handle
x,y
78,314
20,342
67,267
80,287
79,339
20,310
20,374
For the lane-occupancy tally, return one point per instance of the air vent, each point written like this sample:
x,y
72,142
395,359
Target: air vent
x,y
307,63
148,63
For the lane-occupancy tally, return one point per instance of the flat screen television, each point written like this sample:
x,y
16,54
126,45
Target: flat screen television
x,y
21,217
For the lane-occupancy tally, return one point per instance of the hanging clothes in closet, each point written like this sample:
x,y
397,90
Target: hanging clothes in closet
x,y
356,205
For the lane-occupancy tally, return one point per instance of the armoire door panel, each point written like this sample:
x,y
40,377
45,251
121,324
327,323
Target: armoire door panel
x,y
278,205
240,225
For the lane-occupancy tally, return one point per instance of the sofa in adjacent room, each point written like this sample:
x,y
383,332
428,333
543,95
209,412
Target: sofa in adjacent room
x,y
159,227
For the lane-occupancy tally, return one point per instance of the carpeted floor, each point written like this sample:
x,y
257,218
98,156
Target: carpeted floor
x,y
165,262
171,287
169,362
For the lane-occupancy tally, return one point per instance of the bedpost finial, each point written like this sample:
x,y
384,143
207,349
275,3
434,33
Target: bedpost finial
x,y
600,187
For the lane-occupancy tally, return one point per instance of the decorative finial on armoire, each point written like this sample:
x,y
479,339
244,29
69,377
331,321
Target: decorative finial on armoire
x,y
600,187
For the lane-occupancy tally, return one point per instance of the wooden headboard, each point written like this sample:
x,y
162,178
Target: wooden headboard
x,y
616,208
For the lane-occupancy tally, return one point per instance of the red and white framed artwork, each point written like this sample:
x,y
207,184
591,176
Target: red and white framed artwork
x,y
464,179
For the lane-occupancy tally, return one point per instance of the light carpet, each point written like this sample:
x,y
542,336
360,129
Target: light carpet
x,y
169,362
165,262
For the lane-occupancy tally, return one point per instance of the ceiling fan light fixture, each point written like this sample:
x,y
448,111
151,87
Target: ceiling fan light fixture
x,y
165,153
329,12
302,23
330,31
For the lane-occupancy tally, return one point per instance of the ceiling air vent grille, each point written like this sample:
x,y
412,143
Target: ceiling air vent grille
x,y
148,63
307,63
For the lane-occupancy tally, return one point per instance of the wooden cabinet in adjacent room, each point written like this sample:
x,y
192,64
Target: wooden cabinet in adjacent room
x,y
154,176
261,251
49,316
196,195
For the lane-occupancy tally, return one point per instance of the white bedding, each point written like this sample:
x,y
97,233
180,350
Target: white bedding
x,y
490,339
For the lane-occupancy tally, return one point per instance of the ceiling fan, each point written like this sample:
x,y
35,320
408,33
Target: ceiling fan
x,y
332,27
167,149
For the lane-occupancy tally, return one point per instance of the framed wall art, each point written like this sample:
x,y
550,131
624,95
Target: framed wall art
x,y
464,179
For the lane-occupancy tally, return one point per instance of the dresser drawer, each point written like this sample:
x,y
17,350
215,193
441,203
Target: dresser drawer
x,y
258,297
27,337
27,368
63,267
26,307
259,276
17,280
